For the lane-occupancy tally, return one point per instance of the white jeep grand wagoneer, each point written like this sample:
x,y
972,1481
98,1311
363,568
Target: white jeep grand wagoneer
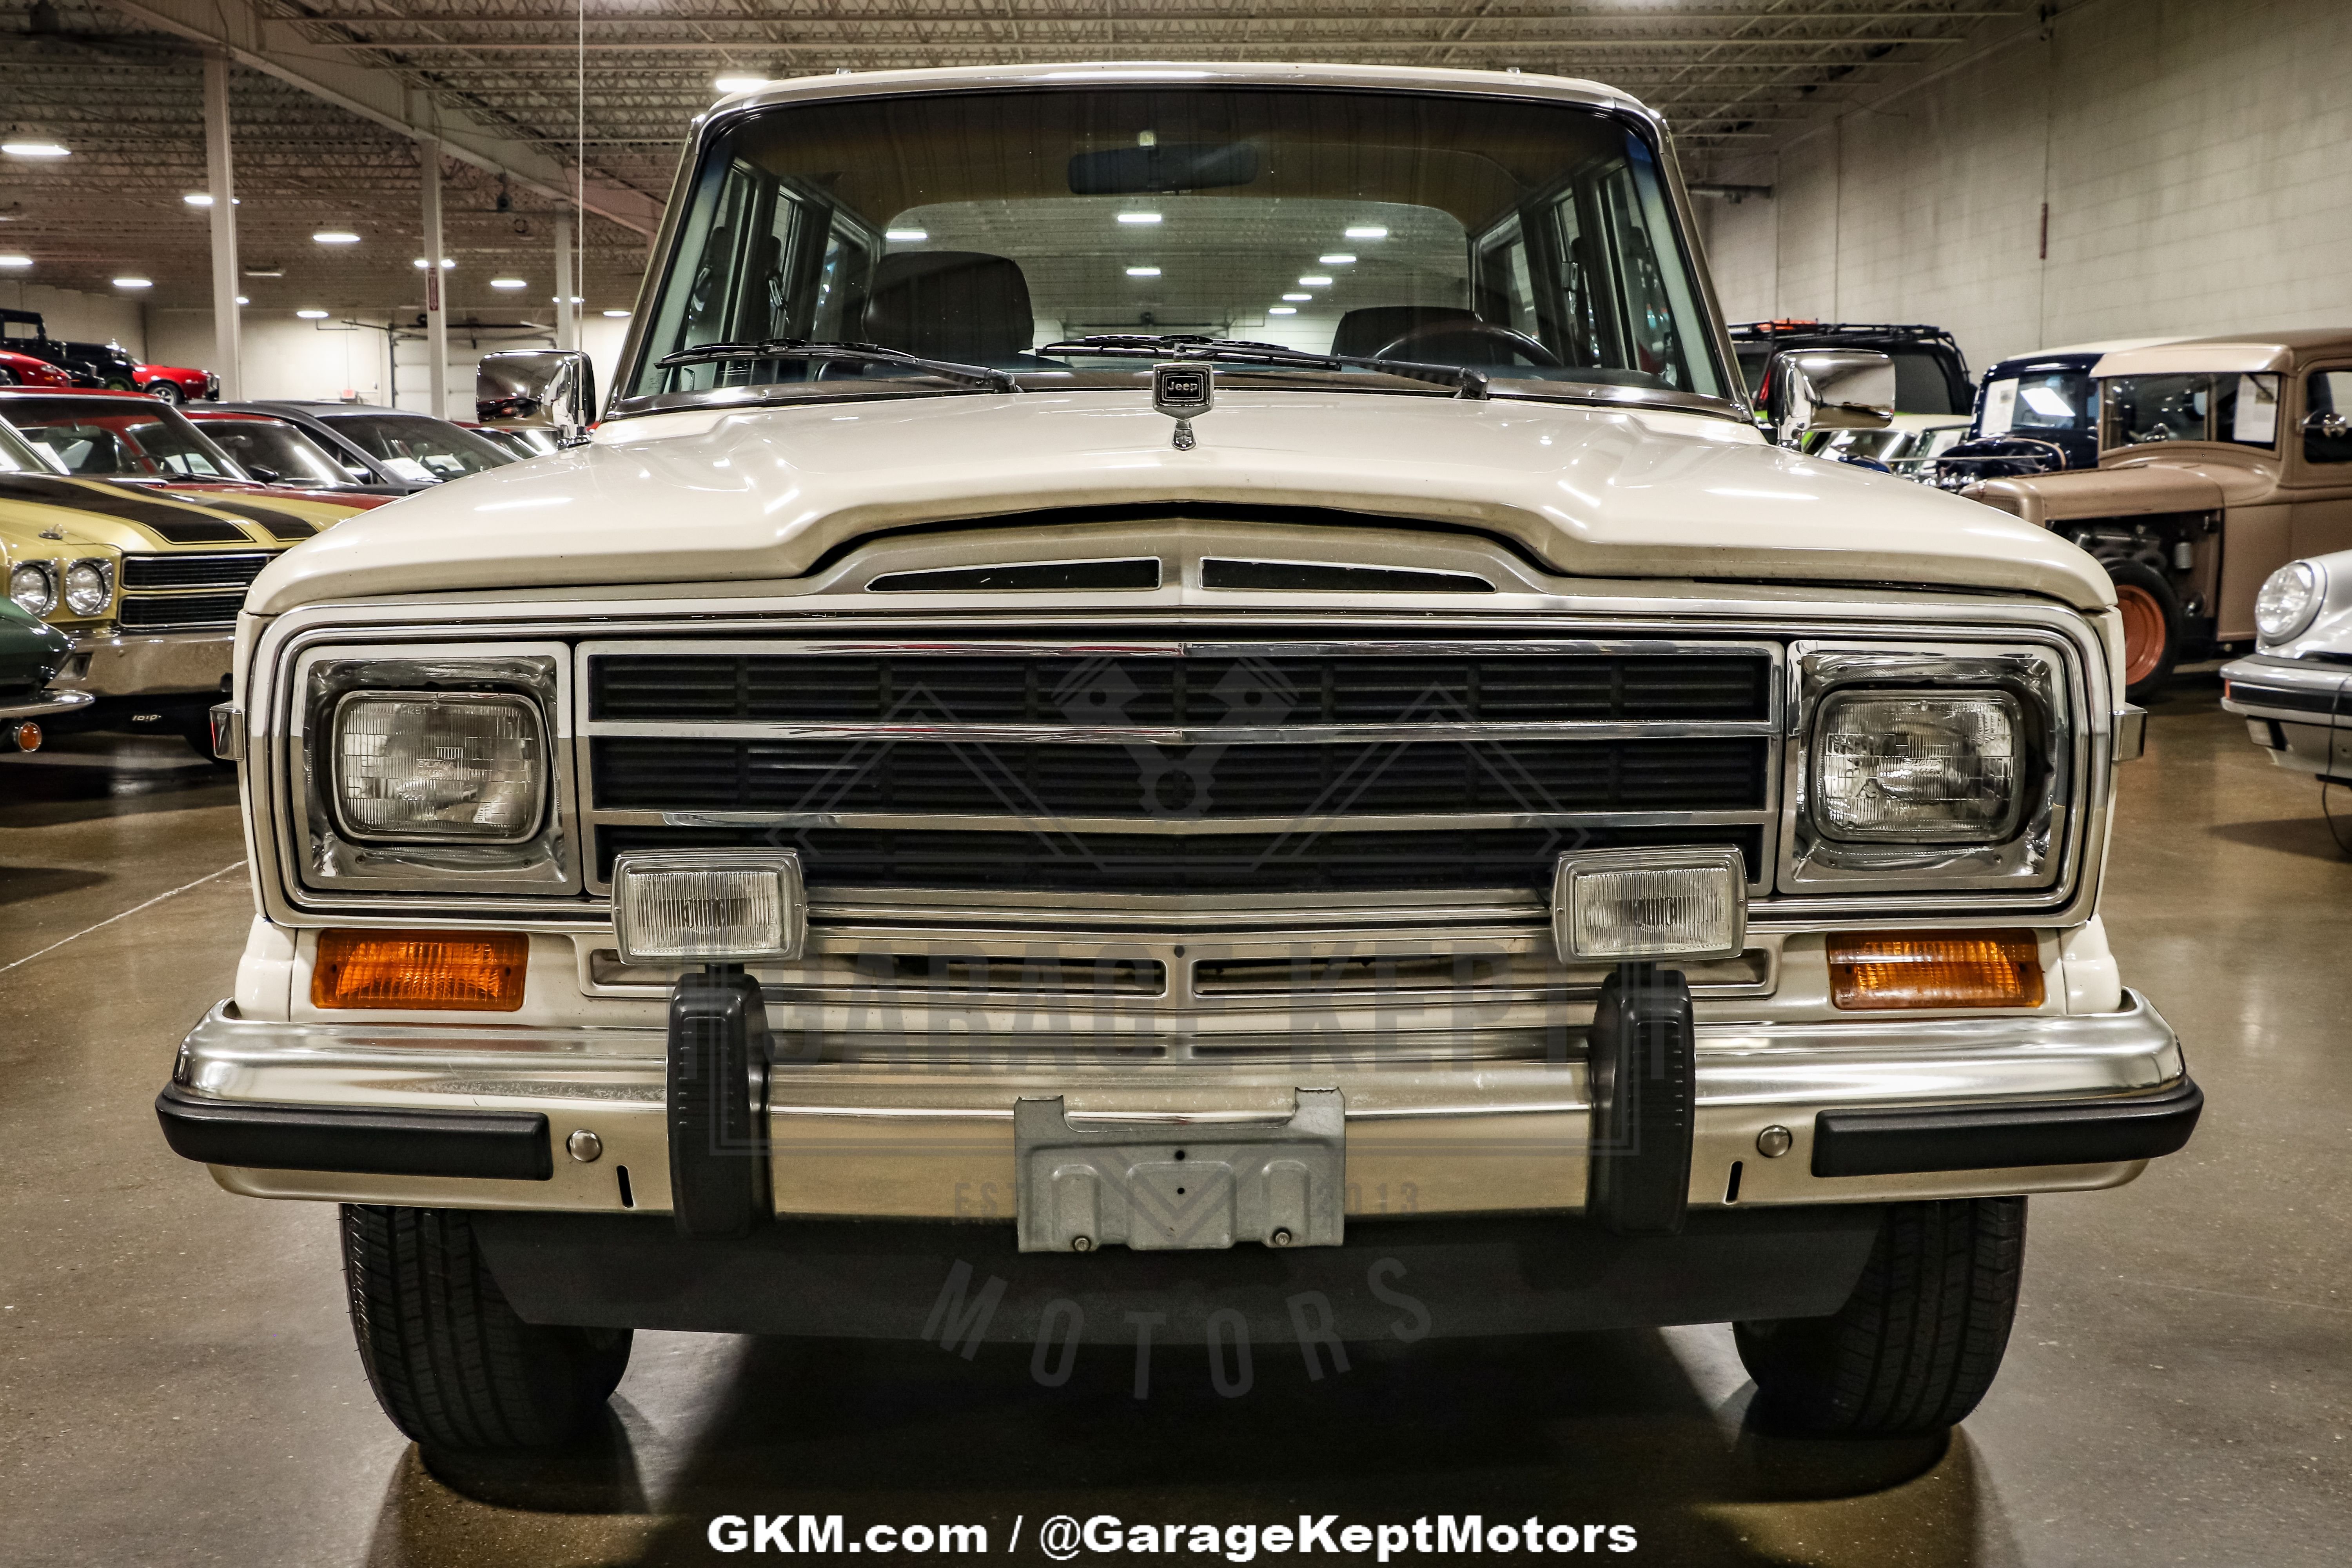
x,y
1181,696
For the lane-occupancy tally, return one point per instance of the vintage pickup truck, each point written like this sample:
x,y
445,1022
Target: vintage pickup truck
x,y
1176,703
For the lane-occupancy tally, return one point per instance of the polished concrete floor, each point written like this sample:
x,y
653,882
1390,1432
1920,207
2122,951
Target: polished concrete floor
x,y
177,1383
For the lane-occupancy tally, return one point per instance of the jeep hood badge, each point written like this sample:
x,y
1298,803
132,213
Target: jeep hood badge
x,y
1181,392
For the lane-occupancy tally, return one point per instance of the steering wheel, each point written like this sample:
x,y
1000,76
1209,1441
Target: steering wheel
x,y
1428,342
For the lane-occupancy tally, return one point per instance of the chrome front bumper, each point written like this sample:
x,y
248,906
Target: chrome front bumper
x,y
126,664
51,704
923,1138
2297,709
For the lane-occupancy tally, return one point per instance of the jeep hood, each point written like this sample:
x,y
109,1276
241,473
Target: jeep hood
x,y
716,495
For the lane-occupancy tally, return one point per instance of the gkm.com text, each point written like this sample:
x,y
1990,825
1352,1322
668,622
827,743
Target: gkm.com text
x,y
1063,1537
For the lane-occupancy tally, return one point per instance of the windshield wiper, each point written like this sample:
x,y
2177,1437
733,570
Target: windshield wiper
x,y
841,353
1468,382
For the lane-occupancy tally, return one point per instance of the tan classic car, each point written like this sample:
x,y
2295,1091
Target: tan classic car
x,y
2220,459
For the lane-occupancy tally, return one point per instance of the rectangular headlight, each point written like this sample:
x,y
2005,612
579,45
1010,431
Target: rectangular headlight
x,y
453,766
709,906
1627,904
1919,767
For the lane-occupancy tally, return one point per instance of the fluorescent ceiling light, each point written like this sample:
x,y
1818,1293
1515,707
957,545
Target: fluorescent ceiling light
x,y
618,315
509,283
135,283
242,300
740,83
335,237
1282,310
1367,231
1139,217
906,235
1316,280
198,198
1143,272
15,263
1337,259
313,315
34,149
1298,298
445,264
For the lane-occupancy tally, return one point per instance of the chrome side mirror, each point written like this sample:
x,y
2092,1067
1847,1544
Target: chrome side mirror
x,y
555,388
1827,389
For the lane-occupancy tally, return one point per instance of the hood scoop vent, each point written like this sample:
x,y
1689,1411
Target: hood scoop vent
x,y
1297,576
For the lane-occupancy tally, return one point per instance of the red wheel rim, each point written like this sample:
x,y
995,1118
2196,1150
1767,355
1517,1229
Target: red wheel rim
x,y
2143,633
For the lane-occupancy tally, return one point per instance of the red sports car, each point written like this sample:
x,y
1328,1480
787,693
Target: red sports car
x,y
24,370
176,383
139,440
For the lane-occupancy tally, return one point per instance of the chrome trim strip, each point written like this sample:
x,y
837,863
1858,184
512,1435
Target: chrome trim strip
x,y
1194,827
1189,735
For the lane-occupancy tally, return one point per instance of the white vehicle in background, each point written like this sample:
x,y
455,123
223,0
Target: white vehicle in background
x,y
2296,689
1190,693
1908,446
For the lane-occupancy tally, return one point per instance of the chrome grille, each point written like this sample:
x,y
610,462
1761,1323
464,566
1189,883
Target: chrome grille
x,y
221,569
1172,770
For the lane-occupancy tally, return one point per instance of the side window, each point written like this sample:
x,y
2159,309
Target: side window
x,y
2327,417
1507,293
841,286
707,298
1636,220
1581,288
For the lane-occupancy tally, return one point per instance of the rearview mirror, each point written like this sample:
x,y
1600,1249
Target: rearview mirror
x,y
1826,389
555,388
1178,166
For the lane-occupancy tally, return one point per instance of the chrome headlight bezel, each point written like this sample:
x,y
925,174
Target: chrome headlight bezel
x,y
103,571
2031,850
335,856
33,586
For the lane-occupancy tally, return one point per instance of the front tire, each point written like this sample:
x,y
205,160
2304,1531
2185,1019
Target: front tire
x,y
1917,1344
165,388
2153,626
450,1361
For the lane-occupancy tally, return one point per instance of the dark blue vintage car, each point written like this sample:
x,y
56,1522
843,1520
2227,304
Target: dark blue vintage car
x,y
2035,414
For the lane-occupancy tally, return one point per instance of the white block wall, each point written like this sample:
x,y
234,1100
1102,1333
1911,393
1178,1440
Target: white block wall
x,y
2196,158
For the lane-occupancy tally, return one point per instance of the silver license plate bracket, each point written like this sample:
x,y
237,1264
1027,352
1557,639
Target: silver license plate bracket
x,y
1160,1186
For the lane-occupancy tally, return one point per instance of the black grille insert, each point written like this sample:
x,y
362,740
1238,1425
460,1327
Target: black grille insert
x,y
228,569
181,610
1285,688
1043,778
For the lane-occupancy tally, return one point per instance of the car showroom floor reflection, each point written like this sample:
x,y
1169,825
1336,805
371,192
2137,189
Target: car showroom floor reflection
x,y
2178,1354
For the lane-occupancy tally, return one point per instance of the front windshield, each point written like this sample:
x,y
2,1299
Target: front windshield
x,y
2241,410
418,450
121,438
283,451
1531,241
2041,402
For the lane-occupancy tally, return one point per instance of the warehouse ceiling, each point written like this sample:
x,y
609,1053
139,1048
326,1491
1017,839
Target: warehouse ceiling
x,y
120,85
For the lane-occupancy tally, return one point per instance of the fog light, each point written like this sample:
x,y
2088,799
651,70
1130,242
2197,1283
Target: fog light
x,y
429,970
1935,969
1618,904
713,906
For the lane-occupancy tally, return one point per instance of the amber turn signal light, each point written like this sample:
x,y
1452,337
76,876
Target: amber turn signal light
x,y
1935,969
433,971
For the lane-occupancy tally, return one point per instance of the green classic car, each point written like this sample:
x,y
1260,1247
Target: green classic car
x,y
31,654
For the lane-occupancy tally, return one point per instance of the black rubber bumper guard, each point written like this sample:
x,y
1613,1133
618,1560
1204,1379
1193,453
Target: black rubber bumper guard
x,y
500,1146
2108,1130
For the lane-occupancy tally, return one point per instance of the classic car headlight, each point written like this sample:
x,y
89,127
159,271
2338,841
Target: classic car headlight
x,y
90,587
2288,599
34,586
1918,767
466,766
